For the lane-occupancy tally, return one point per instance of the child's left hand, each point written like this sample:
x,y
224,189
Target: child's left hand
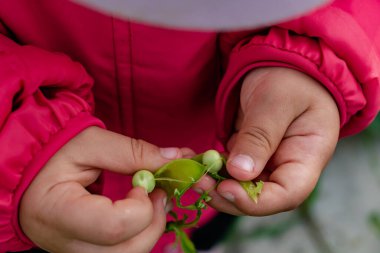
x,y
286,131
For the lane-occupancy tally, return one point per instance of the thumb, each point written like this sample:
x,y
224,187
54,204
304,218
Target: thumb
x,y
100,148
250,149
263,120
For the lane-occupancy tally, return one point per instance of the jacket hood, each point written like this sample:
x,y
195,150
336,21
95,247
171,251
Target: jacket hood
x,y
206,15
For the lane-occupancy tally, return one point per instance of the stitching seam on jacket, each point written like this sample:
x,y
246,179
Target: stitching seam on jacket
x,y
117,79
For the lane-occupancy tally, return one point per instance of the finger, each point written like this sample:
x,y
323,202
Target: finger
x,y
298,164
225,202
187,153
275,197
265,115
142,242
96,147
208,184
96,219
145,241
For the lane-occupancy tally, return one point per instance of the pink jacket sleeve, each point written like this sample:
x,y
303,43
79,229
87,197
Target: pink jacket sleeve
x,y
338,45
45,100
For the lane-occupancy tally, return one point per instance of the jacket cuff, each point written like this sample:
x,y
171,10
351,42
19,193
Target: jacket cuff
x,y
312,57
13,237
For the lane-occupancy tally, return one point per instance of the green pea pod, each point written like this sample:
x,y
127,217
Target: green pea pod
x,y
179,175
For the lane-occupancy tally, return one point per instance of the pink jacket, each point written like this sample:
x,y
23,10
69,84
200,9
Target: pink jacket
x,y
169,87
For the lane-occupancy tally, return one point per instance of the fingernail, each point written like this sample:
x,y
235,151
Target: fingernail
x,y
168,207
228,196
169,153
164,201
243,162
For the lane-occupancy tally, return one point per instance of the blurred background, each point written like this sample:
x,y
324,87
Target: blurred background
x,y
341,216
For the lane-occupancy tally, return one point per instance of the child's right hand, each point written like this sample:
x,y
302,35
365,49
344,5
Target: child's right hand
x,y
59,215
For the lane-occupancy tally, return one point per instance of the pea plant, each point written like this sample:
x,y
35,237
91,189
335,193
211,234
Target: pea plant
x,y
177,177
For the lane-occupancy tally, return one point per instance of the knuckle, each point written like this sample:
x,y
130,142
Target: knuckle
x,y
259,137
137,150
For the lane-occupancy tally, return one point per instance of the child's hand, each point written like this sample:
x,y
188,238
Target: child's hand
x,y
60,215
286,132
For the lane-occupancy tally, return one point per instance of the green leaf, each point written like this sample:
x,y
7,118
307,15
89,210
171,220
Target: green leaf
x,y
253,190
208,199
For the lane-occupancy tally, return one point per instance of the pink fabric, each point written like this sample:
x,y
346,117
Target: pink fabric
x,y
169,87
32,79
